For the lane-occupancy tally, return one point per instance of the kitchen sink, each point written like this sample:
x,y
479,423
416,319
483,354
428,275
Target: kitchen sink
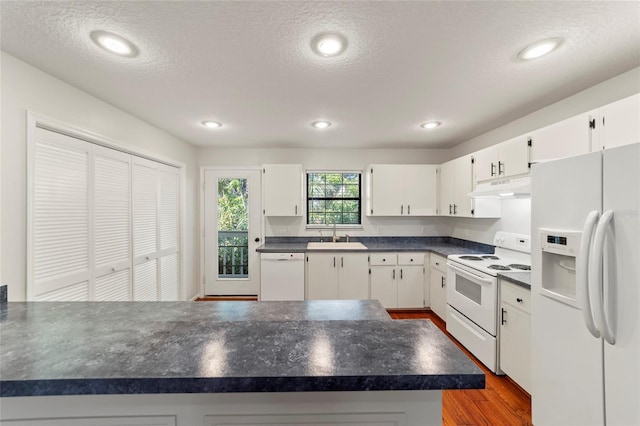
x,y
336,246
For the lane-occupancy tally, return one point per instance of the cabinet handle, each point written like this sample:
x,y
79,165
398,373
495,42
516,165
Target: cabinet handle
x,y
113,269
455,209
394,273
296,210
147,257
342,262
334,261
400,273
442,282
401,208
500,171
503,321
493,169
519,300
408,208
437,263
451,206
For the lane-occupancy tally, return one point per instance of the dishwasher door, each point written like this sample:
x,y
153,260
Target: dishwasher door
x,y
282,276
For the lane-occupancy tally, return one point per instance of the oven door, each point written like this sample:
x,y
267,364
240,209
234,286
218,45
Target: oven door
x,y
474,294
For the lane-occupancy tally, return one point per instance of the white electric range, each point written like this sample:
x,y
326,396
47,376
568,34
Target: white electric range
x,y
472,294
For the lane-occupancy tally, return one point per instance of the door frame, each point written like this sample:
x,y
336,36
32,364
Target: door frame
x,y
204,169
35,120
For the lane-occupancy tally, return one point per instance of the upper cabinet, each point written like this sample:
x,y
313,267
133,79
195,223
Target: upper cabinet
x,y
565,138
618,123
456,181
402,190
510,158
282,185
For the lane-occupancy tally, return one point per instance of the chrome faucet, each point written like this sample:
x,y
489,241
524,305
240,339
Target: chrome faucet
x,y
320,231
347,235
335,237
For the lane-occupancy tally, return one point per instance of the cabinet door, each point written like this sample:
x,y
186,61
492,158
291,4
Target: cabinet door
x,y
515,345
447,188
322,276
438,293
410,286
513,157
387,190
565,138
384,286
463,184
620,122
169,232
420,185
282,189
353,276
486,164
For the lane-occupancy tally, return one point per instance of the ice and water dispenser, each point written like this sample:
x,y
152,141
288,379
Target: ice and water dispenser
x,y
560,250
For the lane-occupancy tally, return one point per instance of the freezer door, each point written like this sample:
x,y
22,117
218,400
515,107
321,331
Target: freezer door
x,y
567,377
621,195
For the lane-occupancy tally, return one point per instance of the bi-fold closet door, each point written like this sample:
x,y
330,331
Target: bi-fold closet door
x,y
104,223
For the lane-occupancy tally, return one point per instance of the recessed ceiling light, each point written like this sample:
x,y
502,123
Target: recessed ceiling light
x,y
329,44
540,48
430,124
114,43
211,124
321,124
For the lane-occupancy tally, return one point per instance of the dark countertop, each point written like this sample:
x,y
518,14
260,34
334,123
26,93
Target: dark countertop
x,y
443,246
523,279
74,348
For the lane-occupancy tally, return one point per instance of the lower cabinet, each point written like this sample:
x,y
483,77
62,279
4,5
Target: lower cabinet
x,y
515,333
397,279
337,276
438,285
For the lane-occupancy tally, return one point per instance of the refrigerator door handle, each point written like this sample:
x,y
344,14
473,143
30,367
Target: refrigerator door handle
x,y
582,273
595,274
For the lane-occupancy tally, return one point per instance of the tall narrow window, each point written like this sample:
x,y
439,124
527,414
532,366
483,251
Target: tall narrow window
x,y
334,198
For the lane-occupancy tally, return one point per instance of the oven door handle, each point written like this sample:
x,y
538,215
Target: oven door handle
x,y
470,275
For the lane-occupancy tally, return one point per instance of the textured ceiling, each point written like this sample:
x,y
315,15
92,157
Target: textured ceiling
x,y
248,64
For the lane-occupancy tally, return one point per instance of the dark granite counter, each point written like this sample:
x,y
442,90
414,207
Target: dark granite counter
x,y
523,279
78,348
443,246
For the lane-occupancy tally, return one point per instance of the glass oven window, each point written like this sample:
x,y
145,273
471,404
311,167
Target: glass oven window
x,y
469,289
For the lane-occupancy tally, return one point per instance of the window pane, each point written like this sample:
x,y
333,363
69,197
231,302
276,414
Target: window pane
x,y
333,198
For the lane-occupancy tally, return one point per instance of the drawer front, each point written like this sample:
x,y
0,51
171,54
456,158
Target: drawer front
x,y
438,262
376,259
410,258
515,295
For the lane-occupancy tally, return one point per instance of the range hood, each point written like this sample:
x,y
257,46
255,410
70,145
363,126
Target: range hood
x,y
503,188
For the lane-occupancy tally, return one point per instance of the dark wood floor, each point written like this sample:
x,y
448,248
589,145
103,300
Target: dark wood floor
x,y
502,402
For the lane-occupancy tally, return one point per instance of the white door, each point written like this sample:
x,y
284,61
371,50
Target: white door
x,y
233,231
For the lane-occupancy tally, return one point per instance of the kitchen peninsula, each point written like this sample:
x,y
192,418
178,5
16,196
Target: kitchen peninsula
x,y
230,362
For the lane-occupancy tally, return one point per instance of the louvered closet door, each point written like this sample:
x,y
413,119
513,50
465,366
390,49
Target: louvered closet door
x,y
145,229
169,214
60,266
112,224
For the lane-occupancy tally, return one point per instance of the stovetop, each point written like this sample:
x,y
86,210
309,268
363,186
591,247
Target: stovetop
x,y
512,255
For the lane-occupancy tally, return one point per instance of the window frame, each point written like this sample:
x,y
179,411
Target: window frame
x,y
359,225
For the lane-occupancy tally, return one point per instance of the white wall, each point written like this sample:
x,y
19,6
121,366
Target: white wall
x,y
335,159
25,88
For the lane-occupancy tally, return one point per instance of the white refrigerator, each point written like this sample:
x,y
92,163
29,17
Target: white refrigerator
x,y
585,289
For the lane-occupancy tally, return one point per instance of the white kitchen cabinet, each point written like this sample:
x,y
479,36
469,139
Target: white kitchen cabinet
x,y
565,138
438,285
282,189
515,333
337,275
402,190
506,159
397,279
410,273
619,123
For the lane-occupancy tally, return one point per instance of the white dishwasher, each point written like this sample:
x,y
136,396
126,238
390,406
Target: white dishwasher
x,y
282,276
